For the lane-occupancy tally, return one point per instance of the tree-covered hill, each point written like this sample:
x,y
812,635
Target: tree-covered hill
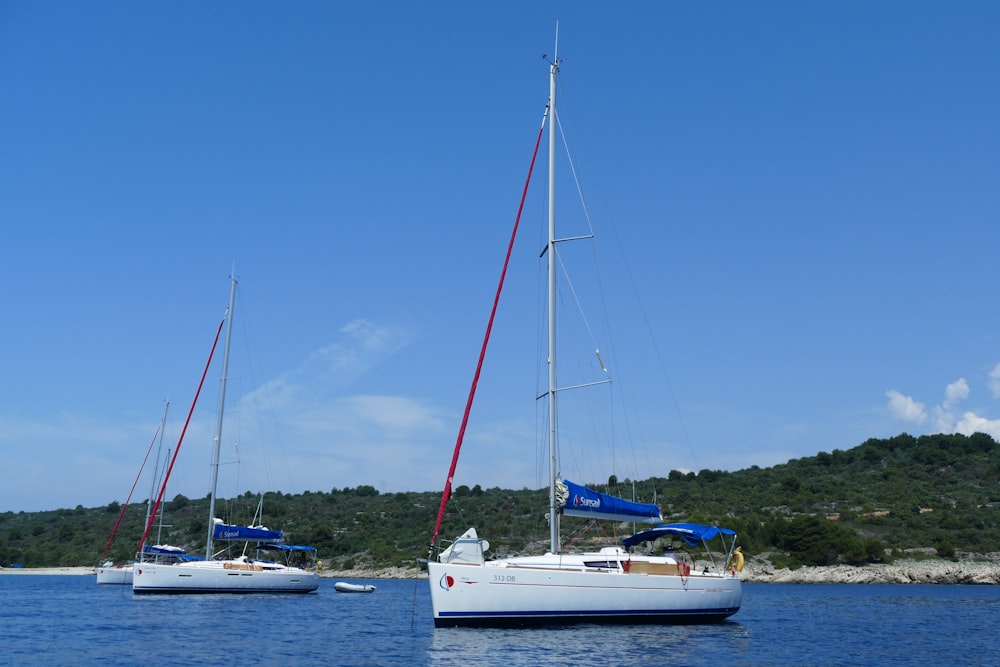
x,y
861,505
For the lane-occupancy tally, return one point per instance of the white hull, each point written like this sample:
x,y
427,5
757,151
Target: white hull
x,y
561,589
120,576
222,577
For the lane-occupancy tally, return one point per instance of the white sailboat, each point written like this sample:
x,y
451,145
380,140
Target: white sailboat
x,y
171,570
120,574
109,573
612,585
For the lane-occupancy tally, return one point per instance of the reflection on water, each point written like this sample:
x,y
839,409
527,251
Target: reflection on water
x,y
589,644
800,625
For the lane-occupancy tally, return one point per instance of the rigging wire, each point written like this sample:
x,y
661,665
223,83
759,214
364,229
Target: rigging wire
x,y
121,514
166,476
636,294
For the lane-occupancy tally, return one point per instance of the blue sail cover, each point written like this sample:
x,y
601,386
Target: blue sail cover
x,y
692,533
226,533
581,501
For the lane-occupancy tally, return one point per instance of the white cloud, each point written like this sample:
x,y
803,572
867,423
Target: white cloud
x,y
905,408
308,413
943,417
331,369
955,392
994,381
973,423
395,414
944,420
361,346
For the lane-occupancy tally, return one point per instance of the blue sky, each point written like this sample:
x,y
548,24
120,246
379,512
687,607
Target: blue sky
x,y
806,195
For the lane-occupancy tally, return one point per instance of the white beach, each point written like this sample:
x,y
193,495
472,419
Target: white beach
x,y
48,570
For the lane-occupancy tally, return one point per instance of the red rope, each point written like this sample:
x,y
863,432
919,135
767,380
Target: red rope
x,y
446,494
163,487
121,514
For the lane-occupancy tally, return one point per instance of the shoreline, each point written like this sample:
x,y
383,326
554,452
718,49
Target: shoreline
x,y
984,571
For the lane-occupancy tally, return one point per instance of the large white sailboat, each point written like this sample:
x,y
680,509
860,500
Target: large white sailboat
x,y
615,584
171,570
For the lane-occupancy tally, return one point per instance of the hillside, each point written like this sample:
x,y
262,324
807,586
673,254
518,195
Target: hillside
x,y
872,503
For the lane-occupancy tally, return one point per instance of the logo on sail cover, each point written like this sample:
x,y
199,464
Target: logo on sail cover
x,y
592,503
446,582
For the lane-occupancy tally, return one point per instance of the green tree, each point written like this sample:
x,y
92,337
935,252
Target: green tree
x,y
812,541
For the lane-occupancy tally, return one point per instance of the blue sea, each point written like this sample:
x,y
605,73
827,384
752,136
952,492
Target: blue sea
x,y
69,620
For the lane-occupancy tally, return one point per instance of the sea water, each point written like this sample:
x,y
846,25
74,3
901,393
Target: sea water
x,y
69,620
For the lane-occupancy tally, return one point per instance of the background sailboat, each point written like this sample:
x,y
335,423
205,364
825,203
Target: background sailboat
x,y
160,571
109,572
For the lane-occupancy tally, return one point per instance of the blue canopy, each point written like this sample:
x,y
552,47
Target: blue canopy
x,y
581,501
692,533
228,533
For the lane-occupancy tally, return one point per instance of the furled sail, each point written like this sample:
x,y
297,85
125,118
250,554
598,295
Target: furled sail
x,y
224,532
577,500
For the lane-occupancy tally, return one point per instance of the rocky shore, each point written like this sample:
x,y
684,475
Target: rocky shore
x,y
381,573
969,570
983,569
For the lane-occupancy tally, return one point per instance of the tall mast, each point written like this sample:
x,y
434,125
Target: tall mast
x,y
159,519
553,453
218,424
156,464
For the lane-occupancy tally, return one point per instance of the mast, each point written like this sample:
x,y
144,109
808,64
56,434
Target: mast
x,y
553,453
159,525
156,465
218,424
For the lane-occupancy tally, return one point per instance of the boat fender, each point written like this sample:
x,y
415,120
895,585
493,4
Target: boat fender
x,y
737,561
684,569
627,565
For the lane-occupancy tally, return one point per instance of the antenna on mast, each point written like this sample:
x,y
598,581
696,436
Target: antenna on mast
x,y
555,53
